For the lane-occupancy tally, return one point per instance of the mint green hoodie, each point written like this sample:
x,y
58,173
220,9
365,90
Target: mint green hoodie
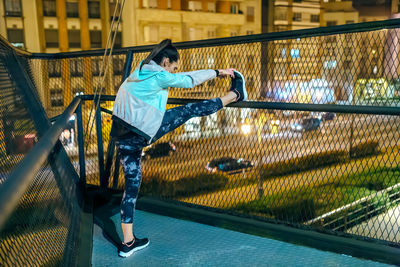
x,y
142,98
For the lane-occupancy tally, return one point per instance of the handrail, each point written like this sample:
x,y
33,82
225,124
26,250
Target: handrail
x,y
353,109
350,205
17,183
19,51
263,37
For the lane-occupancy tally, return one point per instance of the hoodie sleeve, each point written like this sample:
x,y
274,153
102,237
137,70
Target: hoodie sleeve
x,y
184,79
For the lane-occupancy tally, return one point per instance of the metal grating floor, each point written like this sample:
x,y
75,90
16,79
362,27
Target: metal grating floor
x,y
175,242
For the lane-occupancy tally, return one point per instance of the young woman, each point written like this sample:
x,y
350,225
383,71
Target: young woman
x,y
140,118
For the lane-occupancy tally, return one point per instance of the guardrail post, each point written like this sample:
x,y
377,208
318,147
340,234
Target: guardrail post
x,y
81,147
100,149
111,144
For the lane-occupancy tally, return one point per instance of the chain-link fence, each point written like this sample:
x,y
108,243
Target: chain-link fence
x,y
283,156
43,229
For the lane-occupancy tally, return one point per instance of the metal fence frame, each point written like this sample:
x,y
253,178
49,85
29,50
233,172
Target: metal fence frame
x,y
47,149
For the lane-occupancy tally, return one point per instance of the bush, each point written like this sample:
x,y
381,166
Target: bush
x,y
303,163
187,186
295,206
365,149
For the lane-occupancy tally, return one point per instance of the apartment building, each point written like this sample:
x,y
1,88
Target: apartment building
x,y
70,25
340,62
53,26
290,62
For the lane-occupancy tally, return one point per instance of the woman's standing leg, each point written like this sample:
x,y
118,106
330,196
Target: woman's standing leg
x,y
130,151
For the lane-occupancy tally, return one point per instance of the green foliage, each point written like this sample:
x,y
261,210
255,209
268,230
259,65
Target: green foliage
x,y
302,204
365,149
186,186
376,180
304,163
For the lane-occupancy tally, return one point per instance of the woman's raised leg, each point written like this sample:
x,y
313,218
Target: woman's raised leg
x,y
175,117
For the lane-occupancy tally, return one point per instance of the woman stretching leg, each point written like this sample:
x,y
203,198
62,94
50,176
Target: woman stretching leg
x,y
140,118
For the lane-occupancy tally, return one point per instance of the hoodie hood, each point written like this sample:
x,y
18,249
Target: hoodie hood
x,y
147,71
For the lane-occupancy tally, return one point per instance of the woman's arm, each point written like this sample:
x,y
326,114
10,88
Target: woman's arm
x,y
190,79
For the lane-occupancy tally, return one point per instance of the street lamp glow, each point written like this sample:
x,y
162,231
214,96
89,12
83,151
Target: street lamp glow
x,y
246,129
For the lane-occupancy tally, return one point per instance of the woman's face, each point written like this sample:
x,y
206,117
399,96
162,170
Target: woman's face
x,y
169,66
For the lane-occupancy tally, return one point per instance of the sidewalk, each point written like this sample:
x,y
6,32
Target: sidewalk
x,y
175,242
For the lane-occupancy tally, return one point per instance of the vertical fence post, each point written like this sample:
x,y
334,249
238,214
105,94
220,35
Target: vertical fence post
x,y
81,147
111,144
100,149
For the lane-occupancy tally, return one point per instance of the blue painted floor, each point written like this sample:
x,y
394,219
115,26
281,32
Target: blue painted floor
x,y
175,242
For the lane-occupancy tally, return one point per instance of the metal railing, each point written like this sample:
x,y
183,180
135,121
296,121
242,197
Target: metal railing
x,y
41,201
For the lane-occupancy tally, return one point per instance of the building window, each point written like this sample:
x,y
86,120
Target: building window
x,y
76,67
347,64
349,21
150,3
211,7
169,4
118,40
283,53
51,36
331,23
280,13
16,37
74,38
331,39
249,32
234,33
234,8
118,66
295,53
13,8
96,66
296,16
54,68
94,9
49,8
114,7
195,6
314,18
95,39
330,64
72,9
78,91
211,34
250,14
56,97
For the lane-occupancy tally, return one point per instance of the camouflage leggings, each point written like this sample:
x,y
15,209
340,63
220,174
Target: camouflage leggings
x,y
130,150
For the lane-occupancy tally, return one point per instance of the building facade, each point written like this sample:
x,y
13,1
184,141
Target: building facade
x,y
52,26
338,61
71,25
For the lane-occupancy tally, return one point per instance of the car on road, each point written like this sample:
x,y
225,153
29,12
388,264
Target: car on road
x,y
159,150
306,124
228,164
326,116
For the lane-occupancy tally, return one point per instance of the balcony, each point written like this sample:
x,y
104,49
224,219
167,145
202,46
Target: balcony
x,y
155,15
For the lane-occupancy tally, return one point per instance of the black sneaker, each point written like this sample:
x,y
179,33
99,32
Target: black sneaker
x,y
238,86
127,249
